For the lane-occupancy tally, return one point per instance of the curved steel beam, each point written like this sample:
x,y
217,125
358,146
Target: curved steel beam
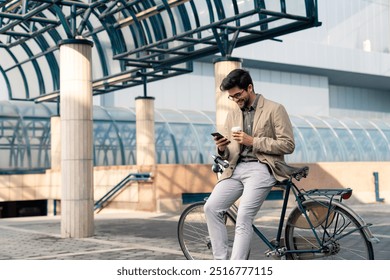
x,y
38,72
9,90
21,72
64,21
151,48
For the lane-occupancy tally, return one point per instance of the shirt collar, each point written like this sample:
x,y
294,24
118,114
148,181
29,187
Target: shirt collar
x,y
253,106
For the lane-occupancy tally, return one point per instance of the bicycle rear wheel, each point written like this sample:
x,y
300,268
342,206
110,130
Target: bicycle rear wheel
x,y
339,235
193,234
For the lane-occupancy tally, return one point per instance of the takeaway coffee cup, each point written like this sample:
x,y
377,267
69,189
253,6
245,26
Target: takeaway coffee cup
x,y
236,129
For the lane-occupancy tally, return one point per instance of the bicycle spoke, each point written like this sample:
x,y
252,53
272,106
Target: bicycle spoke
x,y
341,236
193,234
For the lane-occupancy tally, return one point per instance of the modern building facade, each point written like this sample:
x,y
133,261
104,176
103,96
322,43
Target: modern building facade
x,y
340,69
333,80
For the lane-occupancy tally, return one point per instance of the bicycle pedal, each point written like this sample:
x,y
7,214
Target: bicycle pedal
x,y
274,254
277,254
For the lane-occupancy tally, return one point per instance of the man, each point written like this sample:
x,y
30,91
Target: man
x,y
266,136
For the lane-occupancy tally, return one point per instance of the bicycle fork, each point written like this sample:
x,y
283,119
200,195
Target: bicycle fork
x,y
277,247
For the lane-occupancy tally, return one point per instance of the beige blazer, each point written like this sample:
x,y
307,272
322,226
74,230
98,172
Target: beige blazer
x,y
272,132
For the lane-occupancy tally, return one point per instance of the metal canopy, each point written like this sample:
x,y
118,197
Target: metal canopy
x,y
135,42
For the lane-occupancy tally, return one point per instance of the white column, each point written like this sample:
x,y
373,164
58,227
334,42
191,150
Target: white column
x,y
77,139
222,67
55,142
146,147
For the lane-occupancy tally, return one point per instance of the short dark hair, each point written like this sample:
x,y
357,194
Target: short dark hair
x,y
237,78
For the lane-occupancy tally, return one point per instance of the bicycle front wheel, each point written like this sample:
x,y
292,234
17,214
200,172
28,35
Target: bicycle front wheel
x,y
326,233
193,234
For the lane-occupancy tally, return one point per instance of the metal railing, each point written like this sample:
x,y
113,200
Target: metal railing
x,y
132,177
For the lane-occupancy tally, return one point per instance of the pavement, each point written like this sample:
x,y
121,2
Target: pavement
x,y
135,235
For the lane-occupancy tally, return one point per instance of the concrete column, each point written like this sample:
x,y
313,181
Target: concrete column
x,y
146,147
76,138
55,140
222,67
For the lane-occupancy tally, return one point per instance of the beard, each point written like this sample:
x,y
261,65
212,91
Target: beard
x,y
243,102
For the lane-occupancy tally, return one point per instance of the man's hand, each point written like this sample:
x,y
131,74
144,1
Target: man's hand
x,y
221,143
243,138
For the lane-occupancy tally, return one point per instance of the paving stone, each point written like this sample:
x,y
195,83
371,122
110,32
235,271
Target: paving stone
x,y
142,236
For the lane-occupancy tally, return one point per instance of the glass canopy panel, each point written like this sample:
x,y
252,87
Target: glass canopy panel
x,y
46,73
151,29
366,148
172,116
378,139
107,147
126,130
32,46
169,28
206,146
191,14
26,111
380,143
203,12
9,123
197,117
25,137
16,79
120,114
13,146
333,149
346,140
7,111
33,86
188,147
166,148
6,60
20,53
127,134
384,127
181,19
365,145
100,114
300,152
349,144
313,144
100,52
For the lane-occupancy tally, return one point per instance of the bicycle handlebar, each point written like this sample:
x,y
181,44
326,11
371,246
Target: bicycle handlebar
x,y
219,160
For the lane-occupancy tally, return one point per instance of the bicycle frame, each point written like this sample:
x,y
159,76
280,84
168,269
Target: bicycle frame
x,y
276,245
325,197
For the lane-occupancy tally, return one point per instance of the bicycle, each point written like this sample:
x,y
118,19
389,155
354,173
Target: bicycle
x,y
320,226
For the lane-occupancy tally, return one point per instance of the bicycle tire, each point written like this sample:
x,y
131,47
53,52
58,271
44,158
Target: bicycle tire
x,y
341,234
193,234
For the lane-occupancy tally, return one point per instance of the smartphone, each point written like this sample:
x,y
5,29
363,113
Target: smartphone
x,y
218,135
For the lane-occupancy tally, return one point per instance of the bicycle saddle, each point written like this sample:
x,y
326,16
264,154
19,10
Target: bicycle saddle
x,y
297,172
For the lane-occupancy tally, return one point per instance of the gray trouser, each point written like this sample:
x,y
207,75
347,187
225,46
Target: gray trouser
x,y
252,181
